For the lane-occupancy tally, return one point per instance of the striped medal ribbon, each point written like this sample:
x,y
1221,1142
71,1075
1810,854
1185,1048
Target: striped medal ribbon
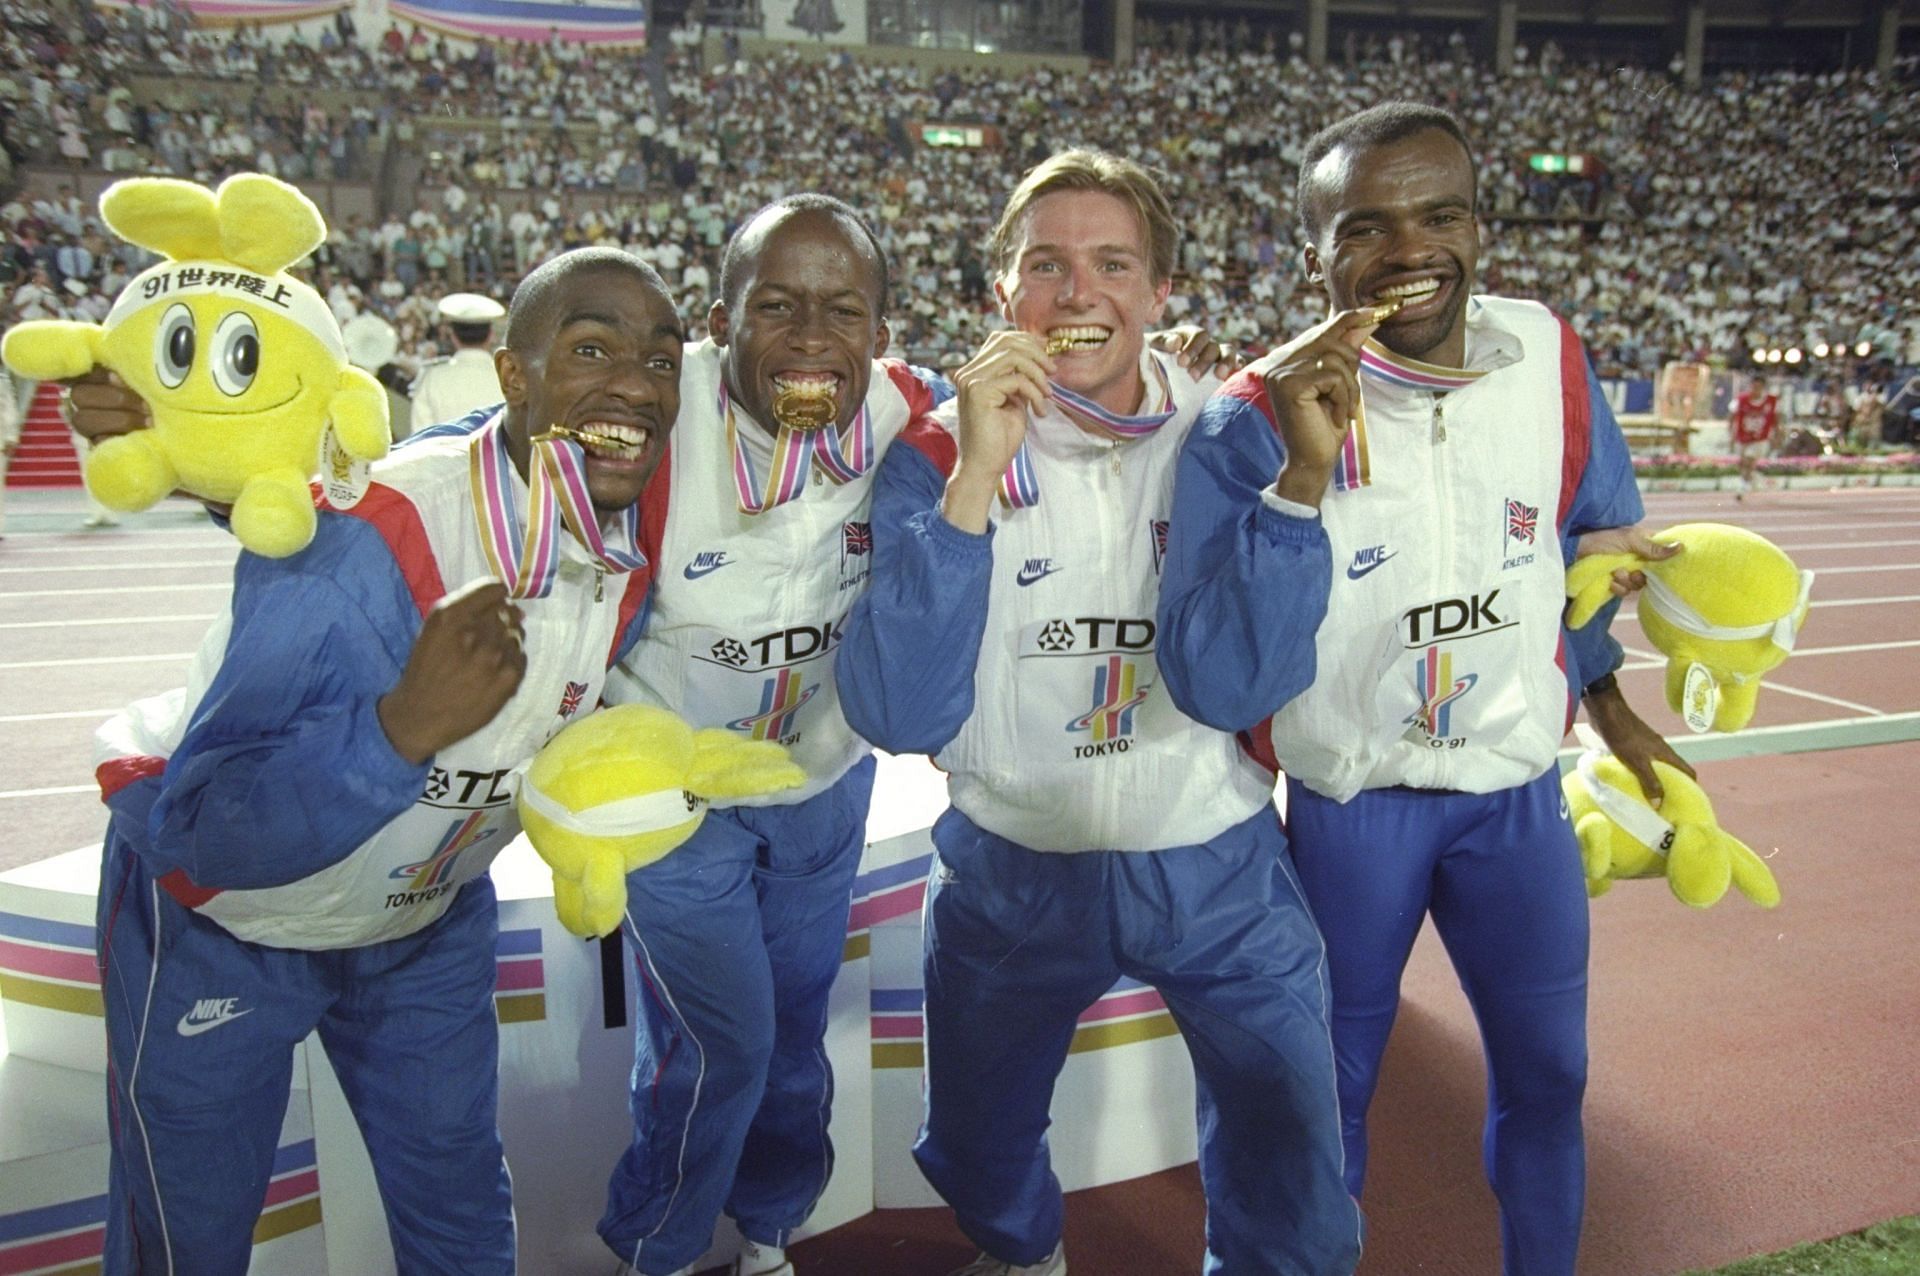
x,y
526,555
794,454
1354,469
1020,487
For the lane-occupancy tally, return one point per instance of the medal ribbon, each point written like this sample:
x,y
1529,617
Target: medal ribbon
x,y
1354,469
1020,487
526,555
794,454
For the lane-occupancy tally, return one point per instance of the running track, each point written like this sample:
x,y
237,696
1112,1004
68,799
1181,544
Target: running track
x,y
1753,1083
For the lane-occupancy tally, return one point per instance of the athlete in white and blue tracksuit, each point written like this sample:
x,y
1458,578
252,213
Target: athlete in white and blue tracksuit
x,y
274,866
738,935
1095,831
1401,655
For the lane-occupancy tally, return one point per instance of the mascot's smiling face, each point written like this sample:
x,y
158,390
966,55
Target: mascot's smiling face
x,y
227,359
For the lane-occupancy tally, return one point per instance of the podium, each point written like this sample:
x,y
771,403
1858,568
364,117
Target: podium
x,y
1123,1107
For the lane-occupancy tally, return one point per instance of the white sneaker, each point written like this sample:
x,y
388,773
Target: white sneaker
x,y
761,1260
1054,1264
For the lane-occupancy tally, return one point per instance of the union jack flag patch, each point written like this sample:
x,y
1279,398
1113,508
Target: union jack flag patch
x,y
1159,530
1522,521
570,698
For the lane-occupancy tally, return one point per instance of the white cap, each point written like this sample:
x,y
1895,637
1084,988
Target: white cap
x,y
78,287
470,307
371,342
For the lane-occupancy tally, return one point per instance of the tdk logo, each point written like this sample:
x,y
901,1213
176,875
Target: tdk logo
x,y
1087,635
1454,618
781,647
1035,569
706,563
1365,560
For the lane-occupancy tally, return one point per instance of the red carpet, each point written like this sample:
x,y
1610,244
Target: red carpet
x,y
45,457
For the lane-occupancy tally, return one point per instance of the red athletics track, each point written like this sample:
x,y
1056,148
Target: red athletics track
x,y
1753,1082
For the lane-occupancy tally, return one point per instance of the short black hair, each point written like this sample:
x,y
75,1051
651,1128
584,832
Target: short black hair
x,y
807,202
471,334
1363,130
530,315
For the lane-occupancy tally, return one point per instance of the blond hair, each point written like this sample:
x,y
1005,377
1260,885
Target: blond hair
x,y
1091,170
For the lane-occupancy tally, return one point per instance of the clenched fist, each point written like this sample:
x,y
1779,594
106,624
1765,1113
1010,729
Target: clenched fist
x,y
100,406
997,388
466,664
1313,383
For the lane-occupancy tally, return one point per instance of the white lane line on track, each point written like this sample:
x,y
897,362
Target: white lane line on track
x,y
1869,567
96,660
51,792
120,546
108,620
141,566
102,714
1867,709
1844,545
117,589
1648,660
1788,738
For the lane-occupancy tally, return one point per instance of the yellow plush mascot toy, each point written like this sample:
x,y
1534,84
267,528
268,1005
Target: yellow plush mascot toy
x,y
620,788
1724,612
241,364
1622,837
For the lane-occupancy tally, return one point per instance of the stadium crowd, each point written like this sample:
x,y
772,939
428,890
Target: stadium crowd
x,y
1757,210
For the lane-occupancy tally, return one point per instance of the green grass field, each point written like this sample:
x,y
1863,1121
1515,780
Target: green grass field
x,y
1891,1249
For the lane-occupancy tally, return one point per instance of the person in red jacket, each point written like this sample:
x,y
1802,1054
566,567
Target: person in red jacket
x,y
1756,411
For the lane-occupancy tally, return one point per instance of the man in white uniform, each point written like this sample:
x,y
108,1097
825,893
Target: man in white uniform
x,y
454,386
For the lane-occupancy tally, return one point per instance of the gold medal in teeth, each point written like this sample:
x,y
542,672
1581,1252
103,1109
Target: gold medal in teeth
x,y
1059,345
807,406
1385,310
585,438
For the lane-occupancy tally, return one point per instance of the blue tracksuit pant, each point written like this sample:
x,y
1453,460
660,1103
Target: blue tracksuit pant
x,y
737,938
201,1028
1020,942
1501,874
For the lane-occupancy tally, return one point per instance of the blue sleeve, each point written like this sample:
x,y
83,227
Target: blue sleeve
x,y
1245,587
460,425
937,384
907,654
284,768
1606,496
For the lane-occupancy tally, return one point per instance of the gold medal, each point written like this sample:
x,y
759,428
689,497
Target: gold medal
x,y
1385,310
808,406
1059,345
584,438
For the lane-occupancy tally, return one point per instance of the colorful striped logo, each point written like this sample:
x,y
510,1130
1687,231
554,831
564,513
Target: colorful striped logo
x,y
781,698
520,977
49,964
1115,697
461,834
1438,690
1129,1012
69,1239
